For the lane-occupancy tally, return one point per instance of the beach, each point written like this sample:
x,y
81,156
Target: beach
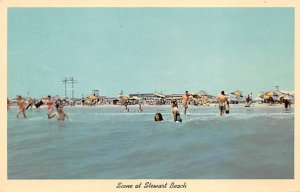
x,y
102,142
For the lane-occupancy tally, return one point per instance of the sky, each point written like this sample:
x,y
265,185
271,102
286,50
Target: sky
x,y
141,50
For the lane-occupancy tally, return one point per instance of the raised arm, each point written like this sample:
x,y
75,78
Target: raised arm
x,y
68,117
50,115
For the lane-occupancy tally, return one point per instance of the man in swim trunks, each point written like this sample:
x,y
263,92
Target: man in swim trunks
x,y
222,100
22,106
60,114
185,101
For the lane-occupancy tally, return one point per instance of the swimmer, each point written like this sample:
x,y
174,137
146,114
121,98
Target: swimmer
x,y
158,117
21,103
185,101
49,103
287,102
221,100
175,112
140,109
227,107
126,108
31,102
60,114
58,103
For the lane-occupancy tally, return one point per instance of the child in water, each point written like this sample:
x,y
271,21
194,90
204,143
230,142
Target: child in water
x,y
175,112
60,114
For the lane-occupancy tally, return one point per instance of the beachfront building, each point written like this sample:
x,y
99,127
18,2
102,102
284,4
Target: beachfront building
x,y
171,97
111,101
147,98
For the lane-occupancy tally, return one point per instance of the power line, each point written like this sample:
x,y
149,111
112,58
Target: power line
x,y
69,80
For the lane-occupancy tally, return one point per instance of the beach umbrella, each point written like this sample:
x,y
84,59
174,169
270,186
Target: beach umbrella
x,y
123,98
237,93
135,98
92,97
266,97
159,95
272,93
194,94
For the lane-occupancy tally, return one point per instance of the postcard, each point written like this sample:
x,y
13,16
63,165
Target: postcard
x,y
149,95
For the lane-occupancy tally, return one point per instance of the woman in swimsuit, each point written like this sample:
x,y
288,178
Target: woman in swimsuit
x,y
158,117
175,112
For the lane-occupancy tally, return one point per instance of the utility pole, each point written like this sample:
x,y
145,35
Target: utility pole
x,y
73,81
65,82
68,81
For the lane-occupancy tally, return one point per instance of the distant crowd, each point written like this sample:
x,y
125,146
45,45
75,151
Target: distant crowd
x,y
58,104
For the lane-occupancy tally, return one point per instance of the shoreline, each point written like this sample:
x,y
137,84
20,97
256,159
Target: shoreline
x,y
256,105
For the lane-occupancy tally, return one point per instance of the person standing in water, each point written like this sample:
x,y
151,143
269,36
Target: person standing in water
x,y
287,102
175,111
227,107
126,107
60,114
140,109
221,100
31,103
49,103
185,101
22,106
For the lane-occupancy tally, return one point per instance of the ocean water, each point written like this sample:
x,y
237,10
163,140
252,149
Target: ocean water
x,y
105,143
